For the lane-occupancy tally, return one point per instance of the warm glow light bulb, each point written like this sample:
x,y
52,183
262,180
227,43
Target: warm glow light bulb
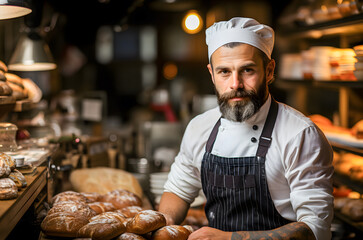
x,y
192,22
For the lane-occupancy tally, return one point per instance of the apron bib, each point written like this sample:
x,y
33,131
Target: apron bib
x,y
238,198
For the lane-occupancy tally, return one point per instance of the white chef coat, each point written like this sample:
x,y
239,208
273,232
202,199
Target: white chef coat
x,y
298,163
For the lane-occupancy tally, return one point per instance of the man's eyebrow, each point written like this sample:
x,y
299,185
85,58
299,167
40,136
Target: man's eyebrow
x,y
247,65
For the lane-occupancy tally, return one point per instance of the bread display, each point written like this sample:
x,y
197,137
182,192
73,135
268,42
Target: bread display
x,y
122,198
146,221
69,196
101,207
171,232
103,180
130,236
63,224
104,226
8,189
18,178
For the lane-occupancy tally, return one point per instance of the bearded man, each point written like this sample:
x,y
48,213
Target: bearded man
x,y
265,168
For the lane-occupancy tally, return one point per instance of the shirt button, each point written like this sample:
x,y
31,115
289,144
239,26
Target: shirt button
x,y
253,140
254,127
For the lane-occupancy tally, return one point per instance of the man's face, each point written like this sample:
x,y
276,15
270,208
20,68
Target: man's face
x,y
240,80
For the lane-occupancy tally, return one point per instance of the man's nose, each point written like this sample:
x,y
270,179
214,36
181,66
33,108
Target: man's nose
x,y
237,81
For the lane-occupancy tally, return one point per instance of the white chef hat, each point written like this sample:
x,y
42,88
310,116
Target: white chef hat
x,y
238,29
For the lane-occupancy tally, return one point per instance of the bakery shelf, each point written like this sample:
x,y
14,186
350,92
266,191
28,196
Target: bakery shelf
x,y
315,83
357,225
340,179
348,25
340,147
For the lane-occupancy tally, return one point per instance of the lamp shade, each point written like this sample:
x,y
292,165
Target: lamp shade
x,y
13,8
31,54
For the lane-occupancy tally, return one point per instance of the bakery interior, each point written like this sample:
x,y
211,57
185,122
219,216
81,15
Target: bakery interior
x,y
105,108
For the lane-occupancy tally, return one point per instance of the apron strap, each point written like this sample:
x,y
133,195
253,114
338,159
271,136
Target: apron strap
x,y
265,138
212,136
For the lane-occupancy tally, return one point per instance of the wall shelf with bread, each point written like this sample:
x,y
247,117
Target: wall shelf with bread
x,y
320,73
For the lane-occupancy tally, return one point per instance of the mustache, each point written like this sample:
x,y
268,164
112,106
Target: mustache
x,y
239,93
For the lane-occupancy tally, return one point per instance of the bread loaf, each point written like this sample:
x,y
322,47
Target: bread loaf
x,y
146,221
357,130
18,178
130,211
63,224
3,66
103,180
171,232
130,236
77,207
4,169
5,89
2,76
8,189
92,196
69,196
122,198
104,226
101,207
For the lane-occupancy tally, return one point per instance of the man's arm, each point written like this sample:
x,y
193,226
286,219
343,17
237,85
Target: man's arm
x,y
295,230
173,207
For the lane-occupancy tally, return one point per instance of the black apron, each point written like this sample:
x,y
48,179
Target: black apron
x,y
238,198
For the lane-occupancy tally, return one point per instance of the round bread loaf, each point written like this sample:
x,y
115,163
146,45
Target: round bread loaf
x,y
130,211
92,196
146,221
79,208
4,169
63,224
104,226
8,160
122,198
171,232
69,196
18,178
130,236
101,207
8,189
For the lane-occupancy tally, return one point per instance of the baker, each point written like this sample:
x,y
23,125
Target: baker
x,y
265,168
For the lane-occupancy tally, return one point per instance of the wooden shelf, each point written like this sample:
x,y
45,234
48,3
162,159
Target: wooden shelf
x,y
315,83
11,211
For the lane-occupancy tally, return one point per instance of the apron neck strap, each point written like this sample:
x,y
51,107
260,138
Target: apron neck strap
x,y
265,138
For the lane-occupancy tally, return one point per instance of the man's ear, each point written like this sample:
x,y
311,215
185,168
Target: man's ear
x,y
209,66
270,70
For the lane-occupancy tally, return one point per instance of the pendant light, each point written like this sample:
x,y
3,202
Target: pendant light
x,y
31,52
13,9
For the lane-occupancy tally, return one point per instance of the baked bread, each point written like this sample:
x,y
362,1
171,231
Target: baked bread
x,y
171,232
92,196
5,89
2,76
3,66
34,93
5,169
104,226
357,130
122,198
8,189
130,211
130,236
69,196
77,207
146,221
103,180
101,207
18,178
9,161
63,224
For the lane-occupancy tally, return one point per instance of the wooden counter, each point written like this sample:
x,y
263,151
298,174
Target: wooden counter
x,y
11,211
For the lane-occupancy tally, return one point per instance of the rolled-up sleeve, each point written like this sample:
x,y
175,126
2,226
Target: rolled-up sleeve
x,y
309,173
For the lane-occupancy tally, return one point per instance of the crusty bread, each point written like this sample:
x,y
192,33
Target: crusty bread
x,y
101,207
3,66
8,160
171,232
104,226
63,224
2,76
357,130
15,79
18,178
103,180
5,89
69,196
146,221
130,236
130,211
33,91
5,170
8,189
121,198
92,196
77,207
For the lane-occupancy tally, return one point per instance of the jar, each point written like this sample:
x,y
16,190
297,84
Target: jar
x,y
7,137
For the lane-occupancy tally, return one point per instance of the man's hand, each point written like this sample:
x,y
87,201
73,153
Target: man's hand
x,y
208,233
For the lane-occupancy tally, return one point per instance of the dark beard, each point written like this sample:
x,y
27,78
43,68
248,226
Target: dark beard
x,y
241,110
